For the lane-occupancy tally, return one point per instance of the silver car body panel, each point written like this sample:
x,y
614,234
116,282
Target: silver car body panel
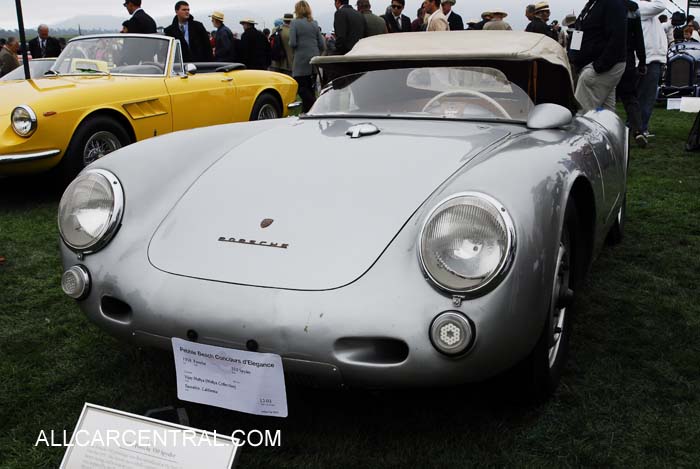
x,y
340,307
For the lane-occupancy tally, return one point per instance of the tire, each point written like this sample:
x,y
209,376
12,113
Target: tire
x,y
94,138
536,378
266,107
617,231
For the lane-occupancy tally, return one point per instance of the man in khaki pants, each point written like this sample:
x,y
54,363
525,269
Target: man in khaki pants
x,y
598,51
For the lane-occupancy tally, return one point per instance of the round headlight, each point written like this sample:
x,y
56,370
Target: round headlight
x,y
90,211
467,243
24,121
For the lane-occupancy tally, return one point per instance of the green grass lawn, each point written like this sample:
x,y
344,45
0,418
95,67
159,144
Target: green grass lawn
x,y
630,396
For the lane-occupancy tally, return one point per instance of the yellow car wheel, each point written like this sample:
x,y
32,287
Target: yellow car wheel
x,y
94,138
266,107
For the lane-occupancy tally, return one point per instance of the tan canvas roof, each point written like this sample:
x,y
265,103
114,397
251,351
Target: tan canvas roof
x,y
448,46
465,45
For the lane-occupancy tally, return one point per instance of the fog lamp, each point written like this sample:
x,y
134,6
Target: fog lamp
x,y
76,282
451,333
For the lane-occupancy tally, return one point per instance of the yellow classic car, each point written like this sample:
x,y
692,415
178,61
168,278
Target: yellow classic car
x,y
107,91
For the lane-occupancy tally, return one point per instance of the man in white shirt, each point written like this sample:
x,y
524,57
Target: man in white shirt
x,y
437,21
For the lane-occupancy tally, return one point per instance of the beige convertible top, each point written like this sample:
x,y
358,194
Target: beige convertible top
x,y
411,49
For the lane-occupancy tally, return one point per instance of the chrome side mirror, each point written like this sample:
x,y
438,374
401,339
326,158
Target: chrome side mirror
x,y
548,116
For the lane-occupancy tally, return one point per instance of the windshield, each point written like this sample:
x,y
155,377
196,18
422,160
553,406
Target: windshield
x,y
432,92
114,55
37,68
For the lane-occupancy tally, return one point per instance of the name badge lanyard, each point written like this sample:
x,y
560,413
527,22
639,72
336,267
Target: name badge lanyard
x,y
577,35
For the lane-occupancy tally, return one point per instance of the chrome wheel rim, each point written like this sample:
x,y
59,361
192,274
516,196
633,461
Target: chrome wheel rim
x,y
561,291
98,145
268,111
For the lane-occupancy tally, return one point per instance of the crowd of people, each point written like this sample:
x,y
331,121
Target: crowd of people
x,y
613,45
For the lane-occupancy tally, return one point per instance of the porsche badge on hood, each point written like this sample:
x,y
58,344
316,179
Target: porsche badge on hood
x,y
252,242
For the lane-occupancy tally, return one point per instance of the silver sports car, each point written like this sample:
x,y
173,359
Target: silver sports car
x,y
428,222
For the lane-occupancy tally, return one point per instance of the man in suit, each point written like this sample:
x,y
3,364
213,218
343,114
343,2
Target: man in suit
x,y
437,21
453,19
193,37
139,22
44,45
349,25
396,21
375,24
255,48
8,56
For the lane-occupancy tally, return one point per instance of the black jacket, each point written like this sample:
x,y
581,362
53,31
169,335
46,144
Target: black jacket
x,y
635,35
226,50
52,49
141,23
393,27
604,26
539,26
199,48
455,22
350,27
255,50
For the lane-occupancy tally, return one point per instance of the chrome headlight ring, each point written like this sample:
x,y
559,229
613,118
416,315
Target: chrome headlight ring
x,y
75,212
23,120
505,246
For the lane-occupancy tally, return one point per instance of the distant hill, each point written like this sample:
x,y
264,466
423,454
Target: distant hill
x,y
95,24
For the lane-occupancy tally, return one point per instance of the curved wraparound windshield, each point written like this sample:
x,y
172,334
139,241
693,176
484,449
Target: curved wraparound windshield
x,y
114,55
437,92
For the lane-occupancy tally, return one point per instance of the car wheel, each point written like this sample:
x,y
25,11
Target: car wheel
x,y
537,377
266,107
617,232
94,138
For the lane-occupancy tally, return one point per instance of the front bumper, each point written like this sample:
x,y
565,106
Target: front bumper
x,y
28,156
373,333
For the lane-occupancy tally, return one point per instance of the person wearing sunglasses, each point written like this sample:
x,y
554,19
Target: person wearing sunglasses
x,y
396,21
140,21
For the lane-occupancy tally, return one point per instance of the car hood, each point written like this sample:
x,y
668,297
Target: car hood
x,y
331,204
39,91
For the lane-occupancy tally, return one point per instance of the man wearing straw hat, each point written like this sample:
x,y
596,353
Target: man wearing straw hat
x,y
539,21
225,49
255,48
497,23
453,19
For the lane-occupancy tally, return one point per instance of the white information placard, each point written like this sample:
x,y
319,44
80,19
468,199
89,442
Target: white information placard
x,y
111,439
673,104
689,104
233,379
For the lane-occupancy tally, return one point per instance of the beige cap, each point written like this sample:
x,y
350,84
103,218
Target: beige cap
x,y
499,11
485,14
248,21
569,20
449,1
217,15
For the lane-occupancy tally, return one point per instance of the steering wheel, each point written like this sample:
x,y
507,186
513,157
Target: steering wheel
x,y
467,92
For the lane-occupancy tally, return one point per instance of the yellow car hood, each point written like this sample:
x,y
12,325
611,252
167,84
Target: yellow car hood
x,y
46,92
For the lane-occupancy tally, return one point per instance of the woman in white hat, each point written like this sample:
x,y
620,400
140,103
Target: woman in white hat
x,y
497,23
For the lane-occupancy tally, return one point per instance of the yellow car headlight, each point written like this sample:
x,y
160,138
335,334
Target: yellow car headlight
x,y
24,121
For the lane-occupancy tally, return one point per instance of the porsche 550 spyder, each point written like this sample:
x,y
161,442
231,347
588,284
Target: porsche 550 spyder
x,y
106,91
428,222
